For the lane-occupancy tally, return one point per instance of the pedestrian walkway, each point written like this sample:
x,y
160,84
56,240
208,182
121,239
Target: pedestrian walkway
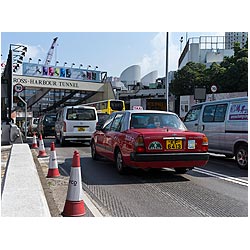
x,y
22,194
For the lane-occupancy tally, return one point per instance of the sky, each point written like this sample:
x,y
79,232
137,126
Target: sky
x,y
110,51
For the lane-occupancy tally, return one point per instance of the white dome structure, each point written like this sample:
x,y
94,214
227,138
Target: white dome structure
x,y
149,78
131,75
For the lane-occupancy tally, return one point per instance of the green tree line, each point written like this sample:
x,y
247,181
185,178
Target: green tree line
x,y
231,75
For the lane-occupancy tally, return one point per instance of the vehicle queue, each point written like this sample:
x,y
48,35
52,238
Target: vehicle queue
x,y
150,138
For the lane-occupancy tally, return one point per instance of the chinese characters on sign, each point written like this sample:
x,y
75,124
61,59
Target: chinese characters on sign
x,y
31,69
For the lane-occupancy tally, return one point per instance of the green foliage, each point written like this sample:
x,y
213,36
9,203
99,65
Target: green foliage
x,y
185,79
231,75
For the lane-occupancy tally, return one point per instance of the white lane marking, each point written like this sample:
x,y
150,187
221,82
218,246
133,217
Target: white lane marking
x,y
88,201
222,176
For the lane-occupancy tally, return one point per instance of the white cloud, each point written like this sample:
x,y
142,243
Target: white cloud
x,y
35,52
156,60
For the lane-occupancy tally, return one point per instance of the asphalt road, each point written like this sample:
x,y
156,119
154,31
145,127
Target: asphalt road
x,y
218,190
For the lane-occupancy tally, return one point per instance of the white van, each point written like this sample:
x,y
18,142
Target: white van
x,y
75,123
225,123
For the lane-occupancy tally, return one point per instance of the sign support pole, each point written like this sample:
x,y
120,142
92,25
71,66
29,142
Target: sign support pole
x,y
25,105
166,77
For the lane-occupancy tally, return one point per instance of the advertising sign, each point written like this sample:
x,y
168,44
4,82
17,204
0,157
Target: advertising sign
x,y
32,69
238,111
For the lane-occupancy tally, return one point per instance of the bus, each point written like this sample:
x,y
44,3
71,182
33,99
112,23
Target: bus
x,y
108,106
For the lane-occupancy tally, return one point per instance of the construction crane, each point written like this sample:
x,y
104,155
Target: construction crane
x,y
42,92
51,51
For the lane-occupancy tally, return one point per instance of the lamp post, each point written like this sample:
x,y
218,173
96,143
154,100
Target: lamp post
x,y
181,41
80,66
89,66
64,64
72,65
166,78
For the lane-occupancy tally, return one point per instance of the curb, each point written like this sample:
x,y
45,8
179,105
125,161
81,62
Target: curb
x,y
54,211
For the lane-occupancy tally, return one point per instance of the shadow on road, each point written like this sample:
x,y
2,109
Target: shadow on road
x,y
104,173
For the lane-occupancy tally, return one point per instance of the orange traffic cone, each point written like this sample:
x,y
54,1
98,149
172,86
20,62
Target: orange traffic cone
x,y
53,165
74,205
34,142
42,152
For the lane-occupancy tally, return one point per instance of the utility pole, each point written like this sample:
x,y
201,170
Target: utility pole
x,y
166,78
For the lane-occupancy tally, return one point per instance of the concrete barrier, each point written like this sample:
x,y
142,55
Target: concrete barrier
x,y
22,194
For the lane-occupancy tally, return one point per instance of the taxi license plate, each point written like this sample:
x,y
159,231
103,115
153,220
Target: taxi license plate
x,y
81,129
174,144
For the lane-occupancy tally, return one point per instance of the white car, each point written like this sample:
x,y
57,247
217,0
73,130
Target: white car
x,y
75,123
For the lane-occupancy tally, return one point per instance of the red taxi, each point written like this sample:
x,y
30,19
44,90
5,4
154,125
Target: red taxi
x,y
149,139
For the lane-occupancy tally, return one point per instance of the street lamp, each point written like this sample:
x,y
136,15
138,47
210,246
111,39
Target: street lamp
x,y
166,77
181,41
80,66
89,66
30,59
56,63
96,67
72,65
39,60
64,64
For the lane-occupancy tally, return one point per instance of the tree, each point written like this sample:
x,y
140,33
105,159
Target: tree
x,y
231,75
235,77
187,78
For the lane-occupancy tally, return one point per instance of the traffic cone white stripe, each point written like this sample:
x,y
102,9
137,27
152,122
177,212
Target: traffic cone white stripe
x,y
41,145
75,185
52,160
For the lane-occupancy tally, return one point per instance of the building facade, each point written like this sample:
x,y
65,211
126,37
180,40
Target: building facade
x,y
233,37
205,50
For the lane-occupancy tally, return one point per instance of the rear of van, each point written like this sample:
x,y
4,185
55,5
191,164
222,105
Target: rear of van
x,y
75,123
